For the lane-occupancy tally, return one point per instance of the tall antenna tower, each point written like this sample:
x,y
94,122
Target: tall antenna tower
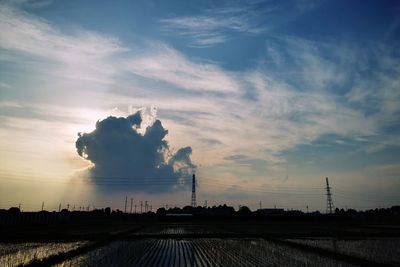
x,y
194,191
329,201
126,202
131,203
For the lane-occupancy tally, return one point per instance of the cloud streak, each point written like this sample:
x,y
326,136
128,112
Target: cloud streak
x,y
168,65
82,55
32,35
215,26
90,56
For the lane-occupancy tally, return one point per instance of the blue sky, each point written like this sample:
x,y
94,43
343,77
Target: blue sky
x,y
271,96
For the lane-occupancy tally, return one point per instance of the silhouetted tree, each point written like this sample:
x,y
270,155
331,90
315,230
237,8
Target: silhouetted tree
x,y
244,211
107,210
14,210
161,212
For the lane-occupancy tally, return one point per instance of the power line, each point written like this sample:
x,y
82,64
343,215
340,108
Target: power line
x,y
214,183
131,179
158,182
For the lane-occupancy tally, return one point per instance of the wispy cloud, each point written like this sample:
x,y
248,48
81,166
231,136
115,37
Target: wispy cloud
x,y
90,56
359,96
5,85
31,4
215,26
226,22
32,35
80,55
166,64
9,104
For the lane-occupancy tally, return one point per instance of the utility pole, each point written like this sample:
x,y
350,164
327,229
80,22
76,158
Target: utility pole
x,y
194,191
131,204
67,206
59,208
135,208
145,206
260,204
126,202
141,207
42,205
307,209
329,201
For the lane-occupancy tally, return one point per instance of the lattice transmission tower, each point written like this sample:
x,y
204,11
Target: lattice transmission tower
x,y
194,191
329,201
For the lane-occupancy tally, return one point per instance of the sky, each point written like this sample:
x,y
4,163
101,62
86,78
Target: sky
x,y
100,100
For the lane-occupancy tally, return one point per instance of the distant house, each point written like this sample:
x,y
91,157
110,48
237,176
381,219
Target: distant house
x,y
179,215
270,212
395,209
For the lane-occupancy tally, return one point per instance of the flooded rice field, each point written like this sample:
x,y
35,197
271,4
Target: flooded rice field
x,y
386,251
23,253
199,252
171,252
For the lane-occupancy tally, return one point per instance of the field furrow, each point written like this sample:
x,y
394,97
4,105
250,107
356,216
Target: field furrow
x,y
168,252
203,254
199,257
196,252
165,253
142,261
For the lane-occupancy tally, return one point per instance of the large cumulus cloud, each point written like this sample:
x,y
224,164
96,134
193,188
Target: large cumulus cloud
x,y
125,157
